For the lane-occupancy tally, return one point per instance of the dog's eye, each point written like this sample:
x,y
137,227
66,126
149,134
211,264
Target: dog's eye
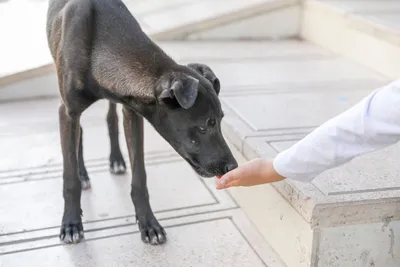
x,y
211,122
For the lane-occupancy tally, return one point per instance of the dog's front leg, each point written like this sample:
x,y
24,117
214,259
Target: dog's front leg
x,y
71,228
151,230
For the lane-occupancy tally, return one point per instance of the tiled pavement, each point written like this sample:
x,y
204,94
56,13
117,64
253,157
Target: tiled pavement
x,y
273,94
204,227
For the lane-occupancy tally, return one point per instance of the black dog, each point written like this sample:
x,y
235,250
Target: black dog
x,y
101,52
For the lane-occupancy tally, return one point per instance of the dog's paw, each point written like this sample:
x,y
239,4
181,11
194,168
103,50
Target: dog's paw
x,y
151,231
71,233
85,181
117,165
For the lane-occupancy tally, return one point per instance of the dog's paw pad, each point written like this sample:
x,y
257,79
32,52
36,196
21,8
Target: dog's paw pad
x,y
152,232
71,233
154,236
117,167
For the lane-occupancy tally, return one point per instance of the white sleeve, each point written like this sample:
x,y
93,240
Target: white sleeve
x,y
371,124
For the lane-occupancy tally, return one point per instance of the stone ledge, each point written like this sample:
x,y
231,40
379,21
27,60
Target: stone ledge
x,y
360,16
292,237
324,22
316,224
302,244
331,199
225,17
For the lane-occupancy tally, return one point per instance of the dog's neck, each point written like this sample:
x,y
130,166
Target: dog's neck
x,y
134,75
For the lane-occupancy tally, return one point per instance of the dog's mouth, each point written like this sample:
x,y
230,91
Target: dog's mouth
x,y
199,170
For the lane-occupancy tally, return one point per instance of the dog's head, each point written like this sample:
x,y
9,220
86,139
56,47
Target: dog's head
x,y
188,115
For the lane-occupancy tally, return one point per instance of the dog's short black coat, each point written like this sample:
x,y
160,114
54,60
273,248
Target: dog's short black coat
x,y
101,52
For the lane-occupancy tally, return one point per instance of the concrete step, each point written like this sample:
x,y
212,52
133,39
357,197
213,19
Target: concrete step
x,y
367,32
221,19
273,94
24,52
348,216
204,226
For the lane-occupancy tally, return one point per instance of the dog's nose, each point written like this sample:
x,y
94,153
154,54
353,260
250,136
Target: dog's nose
x,y
230,166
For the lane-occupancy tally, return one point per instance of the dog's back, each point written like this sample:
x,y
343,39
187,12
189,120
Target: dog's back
x,y
111,16
73,30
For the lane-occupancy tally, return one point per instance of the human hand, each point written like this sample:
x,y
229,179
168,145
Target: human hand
x,y
255,172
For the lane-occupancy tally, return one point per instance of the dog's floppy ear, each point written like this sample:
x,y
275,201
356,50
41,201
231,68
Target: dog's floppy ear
x,y
183,89
207,73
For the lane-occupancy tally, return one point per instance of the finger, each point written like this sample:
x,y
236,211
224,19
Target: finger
x,y
225,180
229,179
231,184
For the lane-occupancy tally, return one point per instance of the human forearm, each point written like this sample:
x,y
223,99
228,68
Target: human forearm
x,y
370,125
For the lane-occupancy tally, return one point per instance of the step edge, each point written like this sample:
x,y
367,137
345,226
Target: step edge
x,y
358,21
315,207
169,35
181,33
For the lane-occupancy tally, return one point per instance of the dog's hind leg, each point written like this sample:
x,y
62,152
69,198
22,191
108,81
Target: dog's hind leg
x,y
83,175
116,160
151,230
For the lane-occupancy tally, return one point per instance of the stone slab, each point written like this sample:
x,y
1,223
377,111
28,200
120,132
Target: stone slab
x,y
285,72
108,198
159,19
303,71
45,82
267,120
375,244
354,229
314,200
378,171
249,28
388,20
292,236
213,239
382,13
292,110
226,51
370,6
37,132
44,148
244,67
194,12
140,7
323,23
347,229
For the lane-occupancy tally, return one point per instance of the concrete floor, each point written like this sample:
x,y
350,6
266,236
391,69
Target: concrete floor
x,y
204,227
274,93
